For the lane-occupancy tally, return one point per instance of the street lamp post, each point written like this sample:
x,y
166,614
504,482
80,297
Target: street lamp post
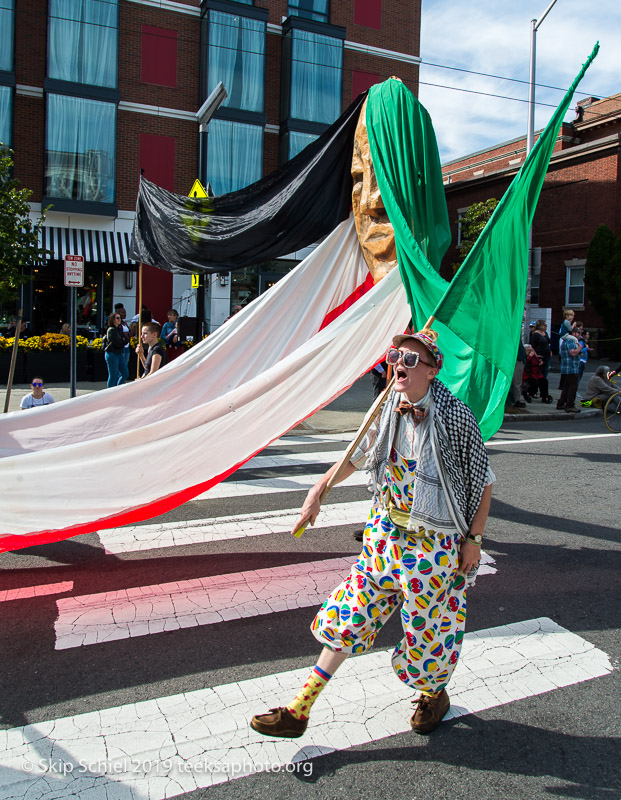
x,y
530,141
204,114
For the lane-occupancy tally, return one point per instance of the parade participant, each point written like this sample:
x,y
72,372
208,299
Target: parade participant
x,y
432,485
156,355
38,396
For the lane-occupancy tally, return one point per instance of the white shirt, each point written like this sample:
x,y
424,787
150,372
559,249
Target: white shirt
x,y
30,401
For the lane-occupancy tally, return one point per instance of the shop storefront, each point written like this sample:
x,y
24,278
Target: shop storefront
x,y
45,299
250,282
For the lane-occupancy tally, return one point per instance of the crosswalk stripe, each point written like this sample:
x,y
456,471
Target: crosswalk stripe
x,y
292,459
144,610
195,531
310,438
291,483
26,592
171,745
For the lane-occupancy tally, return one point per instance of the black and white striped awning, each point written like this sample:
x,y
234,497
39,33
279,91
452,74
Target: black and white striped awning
x,y
102,247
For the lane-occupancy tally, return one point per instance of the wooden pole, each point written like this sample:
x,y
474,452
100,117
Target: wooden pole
x,y
366,424
9,383
139,318
429,323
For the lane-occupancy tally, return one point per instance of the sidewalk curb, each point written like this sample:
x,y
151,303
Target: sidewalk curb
x,y
584,414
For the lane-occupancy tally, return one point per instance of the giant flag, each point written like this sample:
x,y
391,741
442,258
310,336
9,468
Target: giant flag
x,y
478,315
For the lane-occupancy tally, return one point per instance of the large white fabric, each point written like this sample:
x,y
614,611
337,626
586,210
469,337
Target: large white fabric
x,y
107,458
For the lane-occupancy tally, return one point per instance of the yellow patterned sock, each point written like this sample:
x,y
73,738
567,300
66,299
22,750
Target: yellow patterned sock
x,y
301,705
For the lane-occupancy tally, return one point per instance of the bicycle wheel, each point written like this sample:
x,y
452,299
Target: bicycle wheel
x,y
612,413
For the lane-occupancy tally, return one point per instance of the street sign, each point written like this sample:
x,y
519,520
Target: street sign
x,y
196,281
197,190
74,270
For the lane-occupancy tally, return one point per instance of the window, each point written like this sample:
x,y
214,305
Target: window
x,y
368,13
298,141
316,68
237,58
319,10
83,41
6,34
575,283
158,62
80,149
234,155
6,101
460,214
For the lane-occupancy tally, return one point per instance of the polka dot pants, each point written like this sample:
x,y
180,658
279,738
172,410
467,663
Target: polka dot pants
x,y
397,570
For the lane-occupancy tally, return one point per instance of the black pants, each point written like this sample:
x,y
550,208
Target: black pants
x,y
568,395
537,384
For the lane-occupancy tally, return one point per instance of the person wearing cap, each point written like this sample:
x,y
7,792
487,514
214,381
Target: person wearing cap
x,y
421,545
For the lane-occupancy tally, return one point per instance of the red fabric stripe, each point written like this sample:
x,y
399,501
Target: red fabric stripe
x,y
10,542
349,301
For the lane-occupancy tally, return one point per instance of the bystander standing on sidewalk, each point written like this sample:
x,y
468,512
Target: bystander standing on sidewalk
x,y
570,368
113,344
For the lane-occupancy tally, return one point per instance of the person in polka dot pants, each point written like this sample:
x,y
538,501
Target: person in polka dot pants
x,y
421,544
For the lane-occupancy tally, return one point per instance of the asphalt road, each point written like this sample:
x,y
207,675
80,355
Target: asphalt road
x,y
91,645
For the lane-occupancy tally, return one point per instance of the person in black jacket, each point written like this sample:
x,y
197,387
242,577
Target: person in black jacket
x,y
113,343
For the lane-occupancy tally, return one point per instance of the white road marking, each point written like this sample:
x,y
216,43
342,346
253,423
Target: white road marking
x,y
292,459
291,483
165,747
310,438
195,531
544,439
25,592
144,610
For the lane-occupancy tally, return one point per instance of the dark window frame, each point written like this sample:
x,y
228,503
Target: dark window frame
x,y
76,83
287,122
81,206
11,85
321,22
228,7
13,43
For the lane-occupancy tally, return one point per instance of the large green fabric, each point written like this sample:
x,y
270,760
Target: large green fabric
x,y
478,316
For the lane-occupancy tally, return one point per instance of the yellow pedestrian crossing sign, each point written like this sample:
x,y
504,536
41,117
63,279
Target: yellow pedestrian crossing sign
x,y
197,190
195,281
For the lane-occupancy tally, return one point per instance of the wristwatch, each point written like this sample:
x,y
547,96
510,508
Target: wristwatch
x,y
475,537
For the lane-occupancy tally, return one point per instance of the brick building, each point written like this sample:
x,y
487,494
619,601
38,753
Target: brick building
x,y
95,92
582,190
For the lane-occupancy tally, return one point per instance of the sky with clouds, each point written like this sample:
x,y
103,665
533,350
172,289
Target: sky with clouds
x,y
494,38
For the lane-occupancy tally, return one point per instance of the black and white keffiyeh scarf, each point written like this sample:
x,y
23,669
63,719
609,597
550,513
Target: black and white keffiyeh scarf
x,y
454,444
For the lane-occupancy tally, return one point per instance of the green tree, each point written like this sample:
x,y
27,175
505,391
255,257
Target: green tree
x,y
471,225
602,281
19,246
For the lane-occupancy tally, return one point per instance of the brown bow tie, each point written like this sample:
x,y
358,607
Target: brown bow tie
x,y
418,414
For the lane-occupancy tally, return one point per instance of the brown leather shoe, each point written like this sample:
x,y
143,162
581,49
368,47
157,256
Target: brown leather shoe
x,y
429,711
279,722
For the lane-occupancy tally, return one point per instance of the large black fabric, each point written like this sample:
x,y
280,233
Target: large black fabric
x,y
289,209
